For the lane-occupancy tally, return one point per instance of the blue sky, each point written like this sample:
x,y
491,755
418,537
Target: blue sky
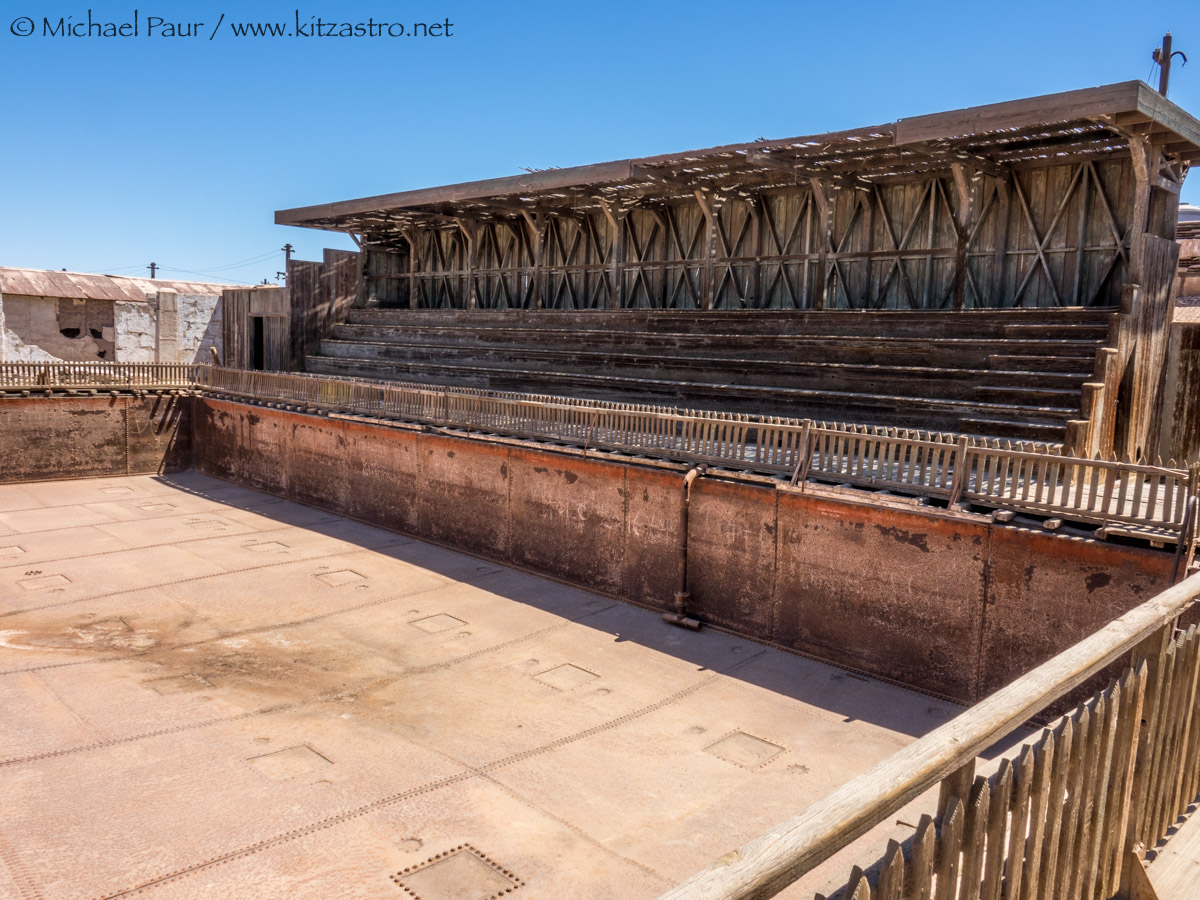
x,y
119,151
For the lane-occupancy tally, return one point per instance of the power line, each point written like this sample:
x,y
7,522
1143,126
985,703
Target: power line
x,y
206,275
244,262
208,271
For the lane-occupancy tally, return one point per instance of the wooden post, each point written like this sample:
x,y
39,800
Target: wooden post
x,y
930,231
1141,153
616,262
755,202
537,242
469,235
708,280
1135,880
963,218
803,453
411,236
999,258
956,785
961,466
824,235
1153,653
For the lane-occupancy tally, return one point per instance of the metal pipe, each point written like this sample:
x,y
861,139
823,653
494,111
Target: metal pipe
x,y
680,615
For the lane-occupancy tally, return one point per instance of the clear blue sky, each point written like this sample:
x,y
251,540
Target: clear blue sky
x,y
116,152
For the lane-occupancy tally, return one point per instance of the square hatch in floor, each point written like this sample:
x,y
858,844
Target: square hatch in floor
x,y
566,677
265,546
340,577
286,763
44,582
459,874
179,684
744,750
440,622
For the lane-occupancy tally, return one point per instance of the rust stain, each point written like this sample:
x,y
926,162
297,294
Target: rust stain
x,y
905,537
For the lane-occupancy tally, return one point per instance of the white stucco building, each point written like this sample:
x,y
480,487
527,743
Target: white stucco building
x,y
48,316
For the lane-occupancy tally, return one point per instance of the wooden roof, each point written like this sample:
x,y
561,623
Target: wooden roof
x,y
1089,123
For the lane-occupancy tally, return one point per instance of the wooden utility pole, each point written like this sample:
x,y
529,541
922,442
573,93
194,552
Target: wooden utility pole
x,y
153,267
1162,56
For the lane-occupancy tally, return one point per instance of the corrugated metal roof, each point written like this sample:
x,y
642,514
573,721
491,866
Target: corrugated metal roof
x,y
90,286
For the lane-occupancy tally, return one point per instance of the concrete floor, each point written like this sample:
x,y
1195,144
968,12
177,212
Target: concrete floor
x,y
210,692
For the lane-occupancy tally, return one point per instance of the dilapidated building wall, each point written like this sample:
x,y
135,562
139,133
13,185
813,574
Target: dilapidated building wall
x,y
46,316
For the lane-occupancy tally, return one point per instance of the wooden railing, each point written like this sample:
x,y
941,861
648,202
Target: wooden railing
x,y
37,375
1030,478
1033,478
1067,816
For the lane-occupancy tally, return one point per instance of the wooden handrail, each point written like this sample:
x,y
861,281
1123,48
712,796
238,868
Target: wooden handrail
x,y
1031,478
769,863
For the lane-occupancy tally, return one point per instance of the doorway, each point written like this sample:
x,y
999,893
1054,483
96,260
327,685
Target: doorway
x,y
258,344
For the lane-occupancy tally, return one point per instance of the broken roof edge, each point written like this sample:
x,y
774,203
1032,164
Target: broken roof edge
x,y
1102,104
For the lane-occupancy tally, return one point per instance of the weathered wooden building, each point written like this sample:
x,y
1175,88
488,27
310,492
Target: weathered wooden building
x,y
1060,203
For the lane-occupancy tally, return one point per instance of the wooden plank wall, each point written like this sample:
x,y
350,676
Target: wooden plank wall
x,y
235,322
319,296
1150,325
1051,235
240,306
1180,436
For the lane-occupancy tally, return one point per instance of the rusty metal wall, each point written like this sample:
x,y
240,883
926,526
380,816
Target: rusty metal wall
x,y
941,601
79,437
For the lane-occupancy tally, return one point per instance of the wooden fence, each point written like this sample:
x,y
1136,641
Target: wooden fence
x,y
35,375
1035,478
1069,815
1031,478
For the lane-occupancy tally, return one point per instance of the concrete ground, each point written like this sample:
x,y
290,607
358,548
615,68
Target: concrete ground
x,y
209,692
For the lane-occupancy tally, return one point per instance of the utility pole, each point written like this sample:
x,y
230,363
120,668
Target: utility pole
x,y
153,267
1162,56
288,250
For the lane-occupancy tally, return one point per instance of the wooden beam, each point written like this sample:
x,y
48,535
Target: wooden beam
x,y
845,180
660,177
755,204
824,236
616,269
1157,107
549,180
1016,114
410,236
950,157
708,285
964,217
1141,152
538,245
469,234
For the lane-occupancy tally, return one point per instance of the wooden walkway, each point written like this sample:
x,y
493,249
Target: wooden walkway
x,y
1175,871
